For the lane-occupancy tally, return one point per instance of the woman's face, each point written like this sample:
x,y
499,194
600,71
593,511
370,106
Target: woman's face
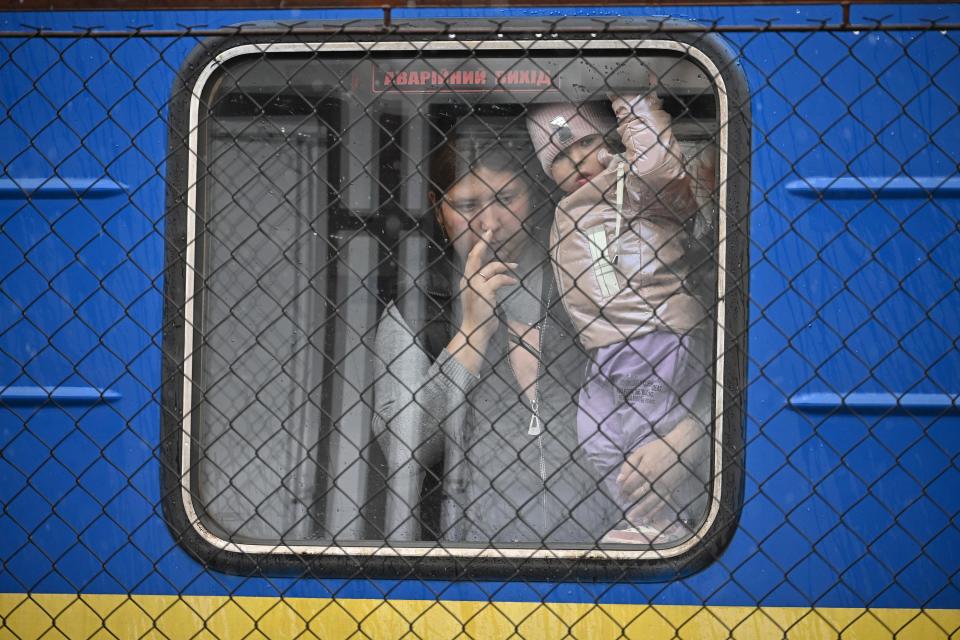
x,y
483,201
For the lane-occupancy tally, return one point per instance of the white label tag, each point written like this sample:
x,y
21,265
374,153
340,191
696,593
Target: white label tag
x,y
602,269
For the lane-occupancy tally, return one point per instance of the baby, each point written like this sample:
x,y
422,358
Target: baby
x,y
617,245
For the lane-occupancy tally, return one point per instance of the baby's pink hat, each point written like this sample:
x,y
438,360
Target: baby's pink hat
x,y
555,126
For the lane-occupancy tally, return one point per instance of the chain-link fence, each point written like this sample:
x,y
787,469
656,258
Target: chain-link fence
x,y
544,328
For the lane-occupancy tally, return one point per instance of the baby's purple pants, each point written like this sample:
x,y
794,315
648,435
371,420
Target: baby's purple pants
x,y
635,391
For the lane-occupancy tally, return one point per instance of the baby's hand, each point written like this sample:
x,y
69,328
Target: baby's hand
x,y
635,105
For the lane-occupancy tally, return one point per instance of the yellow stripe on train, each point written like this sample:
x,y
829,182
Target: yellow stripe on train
x,y
52,616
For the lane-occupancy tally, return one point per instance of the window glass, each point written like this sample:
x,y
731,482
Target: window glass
x,y
467,298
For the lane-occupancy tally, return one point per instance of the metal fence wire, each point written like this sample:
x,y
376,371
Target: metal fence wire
x,y
548,328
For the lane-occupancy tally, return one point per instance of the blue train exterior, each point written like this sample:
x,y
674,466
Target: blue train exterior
x,y
851,498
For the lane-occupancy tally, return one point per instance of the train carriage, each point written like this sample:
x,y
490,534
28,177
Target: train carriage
x,y
233,401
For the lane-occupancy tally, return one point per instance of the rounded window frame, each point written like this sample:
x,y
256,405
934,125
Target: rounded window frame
x,y
443,560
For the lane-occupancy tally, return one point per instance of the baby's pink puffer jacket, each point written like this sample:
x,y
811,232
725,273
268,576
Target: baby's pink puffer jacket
x,y
624,275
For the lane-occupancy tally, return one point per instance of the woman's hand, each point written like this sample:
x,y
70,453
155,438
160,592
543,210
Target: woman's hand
x,y
665,476
478,296
478,289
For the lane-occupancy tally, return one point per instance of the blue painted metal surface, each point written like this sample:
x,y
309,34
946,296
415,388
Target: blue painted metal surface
x,y
850,296
53,187
907,403
58,396
876,186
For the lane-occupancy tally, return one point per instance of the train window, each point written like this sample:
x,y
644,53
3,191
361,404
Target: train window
x,y
468,300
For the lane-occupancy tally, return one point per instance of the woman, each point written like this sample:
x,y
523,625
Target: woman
x,y
489,374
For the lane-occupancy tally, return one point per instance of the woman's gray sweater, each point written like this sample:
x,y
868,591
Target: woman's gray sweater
x,y
500,484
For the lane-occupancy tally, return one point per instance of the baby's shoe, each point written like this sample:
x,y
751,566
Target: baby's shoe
x,y
648,535
631,535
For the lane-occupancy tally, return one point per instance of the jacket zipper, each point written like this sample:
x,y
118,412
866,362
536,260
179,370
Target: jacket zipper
x,y
535,427
621,179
